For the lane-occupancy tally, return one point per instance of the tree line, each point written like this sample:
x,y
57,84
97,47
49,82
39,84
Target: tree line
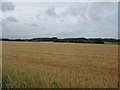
x,y
71,40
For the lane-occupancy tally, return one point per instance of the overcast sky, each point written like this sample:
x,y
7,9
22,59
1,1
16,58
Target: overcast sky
x,y
62,20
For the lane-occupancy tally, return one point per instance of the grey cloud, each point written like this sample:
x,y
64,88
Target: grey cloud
x,y
38,17
43,27
92,10
80,20
25,23
71,12
66,34
79,10
51,12
0,20
7,6
119,14
9,20
34,24
19,9
41,18
61,20
45,19
97,11
4,22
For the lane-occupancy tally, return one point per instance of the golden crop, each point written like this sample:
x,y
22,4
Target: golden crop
x,y
59,65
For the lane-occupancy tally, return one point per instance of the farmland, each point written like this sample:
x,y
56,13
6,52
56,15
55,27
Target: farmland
x,y
59,65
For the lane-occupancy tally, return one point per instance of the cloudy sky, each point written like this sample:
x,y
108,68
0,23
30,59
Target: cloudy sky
x,y
59,19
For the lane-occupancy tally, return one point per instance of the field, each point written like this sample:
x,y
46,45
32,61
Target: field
x,y
59,65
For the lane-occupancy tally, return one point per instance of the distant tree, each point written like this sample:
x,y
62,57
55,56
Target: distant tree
x,y
98,41
54,38
18,40
5,39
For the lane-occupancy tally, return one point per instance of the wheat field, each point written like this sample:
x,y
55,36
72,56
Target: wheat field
x,y
59,65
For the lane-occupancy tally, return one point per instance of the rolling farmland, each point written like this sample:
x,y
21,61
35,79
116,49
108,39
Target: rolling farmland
x,y
59,65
